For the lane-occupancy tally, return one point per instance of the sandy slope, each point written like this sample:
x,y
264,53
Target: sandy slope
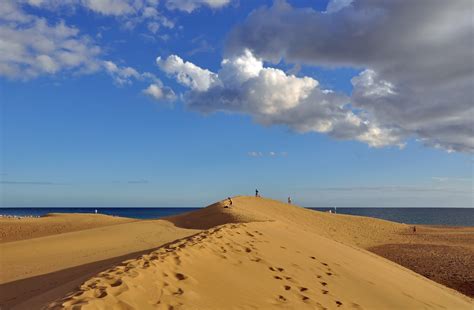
x,y
40,269
14,229
270,256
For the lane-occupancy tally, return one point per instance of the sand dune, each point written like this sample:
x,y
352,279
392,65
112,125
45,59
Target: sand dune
x,y
14,229
267,255
40,269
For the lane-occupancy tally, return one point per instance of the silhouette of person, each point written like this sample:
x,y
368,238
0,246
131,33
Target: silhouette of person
x,y
414,229
289,200
230,201
256,193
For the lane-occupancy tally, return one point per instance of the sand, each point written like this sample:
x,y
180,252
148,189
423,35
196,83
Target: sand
x,y
36,270
256,254
14,229
443,254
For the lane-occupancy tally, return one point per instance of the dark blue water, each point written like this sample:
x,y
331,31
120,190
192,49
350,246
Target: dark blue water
x,y
137,213
429,216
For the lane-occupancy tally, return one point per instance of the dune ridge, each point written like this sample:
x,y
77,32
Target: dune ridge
x,y
263,254
15,229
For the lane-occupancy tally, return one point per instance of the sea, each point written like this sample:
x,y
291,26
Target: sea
x,y
428,216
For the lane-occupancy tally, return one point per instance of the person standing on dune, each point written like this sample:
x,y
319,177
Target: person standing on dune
x,y
256,193
230,201
289,200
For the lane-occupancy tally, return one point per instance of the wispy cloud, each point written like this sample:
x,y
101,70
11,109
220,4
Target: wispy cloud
x,y
392,189
450,179
30,183
142,181
267,154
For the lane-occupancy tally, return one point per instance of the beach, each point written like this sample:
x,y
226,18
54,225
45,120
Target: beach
x,y
254,254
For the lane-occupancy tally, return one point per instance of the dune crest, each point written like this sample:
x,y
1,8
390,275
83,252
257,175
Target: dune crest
x,y
270,255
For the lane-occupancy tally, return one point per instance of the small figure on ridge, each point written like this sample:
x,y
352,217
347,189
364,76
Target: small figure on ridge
x,y
256,193
230,201
289,200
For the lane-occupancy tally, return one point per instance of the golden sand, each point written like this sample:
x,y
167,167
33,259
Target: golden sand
x,y
256,254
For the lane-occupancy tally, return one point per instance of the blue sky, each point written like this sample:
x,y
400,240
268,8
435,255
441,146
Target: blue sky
x,y
89,134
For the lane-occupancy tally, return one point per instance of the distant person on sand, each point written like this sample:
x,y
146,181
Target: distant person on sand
x,y
289,200
256,193
230,201
414,229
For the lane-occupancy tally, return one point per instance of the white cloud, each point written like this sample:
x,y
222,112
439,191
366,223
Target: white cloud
x,y
337,5
451,179
267,154
110,7
368,85
191,5
187,73
272,97
129,12
158,92
30,46
121,75
128,75
416,59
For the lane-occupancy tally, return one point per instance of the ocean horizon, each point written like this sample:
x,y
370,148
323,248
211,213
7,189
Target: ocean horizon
x,y
415,215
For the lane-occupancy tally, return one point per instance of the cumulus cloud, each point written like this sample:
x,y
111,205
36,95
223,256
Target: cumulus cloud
x,y
121,75
187,73
109,7
128,75
129,12
272,97
191,5
159,92
416,59
30,46
105,7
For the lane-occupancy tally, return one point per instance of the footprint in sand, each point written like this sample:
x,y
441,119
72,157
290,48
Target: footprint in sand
x,y
324,284
116,283
338,303
303,289
100,293
329,274
180,276
281,298
304,298
278,278
179,292
324,292
287,287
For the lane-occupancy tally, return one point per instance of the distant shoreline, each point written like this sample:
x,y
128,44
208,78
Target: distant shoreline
x,y
456,217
